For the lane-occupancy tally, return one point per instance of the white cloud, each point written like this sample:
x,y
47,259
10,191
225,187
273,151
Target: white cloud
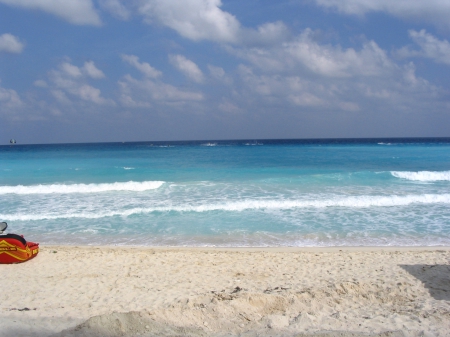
x,y
79,12
204,20
303,53
293,89
10,104
143,67
349,106
432,11
40,84
150,90
401,90
216,72
116,8
89,93
265,34
305,99
9,100
219,74
70,79
194,19
334,61
61,96
309,75
92,71
70,69
10,44
186,66
430,47
89,69
143,93
227,106
326,77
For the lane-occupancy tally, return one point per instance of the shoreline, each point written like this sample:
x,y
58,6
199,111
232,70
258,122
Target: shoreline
x,y
261,248
217,291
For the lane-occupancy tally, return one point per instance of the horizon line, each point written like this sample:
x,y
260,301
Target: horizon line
x,y
238,140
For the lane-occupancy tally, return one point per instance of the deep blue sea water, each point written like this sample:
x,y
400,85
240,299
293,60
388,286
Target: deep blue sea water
x,y
359,192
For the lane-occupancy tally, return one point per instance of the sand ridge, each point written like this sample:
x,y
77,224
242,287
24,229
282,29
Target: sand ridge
x,y
106,291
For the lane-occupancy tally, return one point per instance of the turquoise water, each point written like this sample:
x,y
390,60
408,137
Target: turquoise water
x,y
380,192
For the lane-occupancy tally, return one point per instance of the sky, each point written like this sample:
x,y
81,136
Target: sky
x,y
158,70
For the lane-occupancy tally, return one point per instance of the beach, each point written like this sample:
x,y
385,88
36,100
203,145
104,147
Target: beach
x,y
147,291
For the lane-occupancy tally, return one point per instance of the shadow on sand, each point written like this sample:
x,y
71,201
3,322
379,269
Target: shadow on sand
x,y
435,277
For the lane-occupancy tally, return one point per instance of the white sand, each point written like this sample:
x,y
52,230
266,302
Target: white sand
x,y
225,292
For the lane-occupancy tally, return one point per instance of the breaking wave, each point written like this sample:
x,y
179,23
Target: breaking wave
x,y
423,175
82,188
244,205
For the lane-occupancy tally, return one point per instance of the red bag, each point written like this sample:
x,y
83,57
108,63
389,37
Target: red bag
x,y
15,249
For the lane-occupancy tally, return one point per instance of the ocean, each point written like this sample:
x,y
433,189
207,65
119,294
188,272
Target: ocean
x,y
242,193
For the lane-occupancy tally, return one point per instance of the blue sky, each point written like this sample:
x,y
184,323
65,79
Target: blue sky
x,y
144,70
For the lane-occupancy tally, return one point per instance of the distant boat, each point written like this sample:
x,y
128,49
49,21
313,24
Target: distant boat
x,y
12,141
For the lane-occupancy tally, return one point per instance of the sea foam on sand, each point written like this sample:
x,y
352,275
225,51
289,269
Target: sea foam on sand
x,y
117,291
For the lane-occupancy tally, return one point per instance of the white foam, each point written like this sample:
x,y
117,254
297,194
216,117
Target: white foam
x,y
423,175
244,205
81,188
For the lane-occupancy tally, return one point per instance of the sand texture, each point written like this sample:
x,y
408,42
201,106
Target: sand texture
x,y
109,291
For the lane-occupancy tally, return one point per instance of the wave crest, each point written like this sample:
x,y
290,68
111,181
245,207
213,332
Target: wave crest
x,y
422,175
82,188
245,205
